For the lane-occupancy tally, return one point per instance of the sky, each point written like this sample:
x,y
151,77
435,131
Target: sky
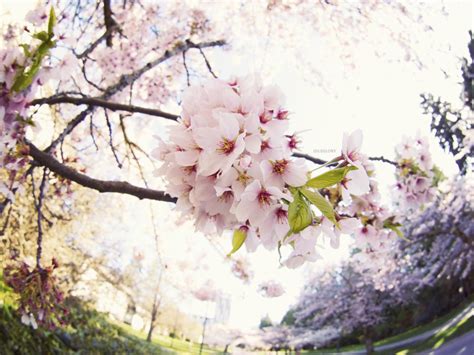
x,y
379,96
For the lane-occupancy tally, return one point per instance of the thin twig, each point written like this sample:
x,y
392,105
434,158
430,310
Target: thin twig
x,y
111,142
186,68
91,129
39,241
208,65
385,160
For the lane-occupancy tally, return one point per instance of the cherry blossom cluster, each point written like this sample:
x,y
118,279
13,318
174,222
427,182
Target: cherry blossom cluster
x,y
240,268
354,183
376,231
206,292
40,301
21,73
271,289
229,162
13,107
416,174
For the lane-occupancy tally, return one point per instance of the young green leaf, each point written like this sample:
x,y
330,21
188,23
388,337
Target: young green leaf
x,y
51,22
43,36
321,203
237,240
299,213
388,223
329,178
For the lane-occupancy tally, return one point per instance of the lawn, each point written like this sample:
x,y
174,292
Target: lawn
x,y
448,334
463,326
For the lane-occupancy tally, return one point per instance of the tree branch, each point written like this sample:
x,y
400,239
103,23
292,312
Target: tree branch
x,y
109,22
310,158
127,79
321,161
122,187
95,101
384,160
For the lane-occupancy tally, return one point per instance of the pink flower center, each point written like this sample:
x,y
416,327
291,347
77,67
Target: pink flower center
x,y
292,142
264,198
265,145
188,170
282,115
265,117
281,215
226,146
227,196
243,178
354,156
280,166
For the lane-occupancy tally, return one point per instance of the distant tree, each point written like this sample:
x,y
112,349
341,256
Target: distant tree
x,y
453,126
265,322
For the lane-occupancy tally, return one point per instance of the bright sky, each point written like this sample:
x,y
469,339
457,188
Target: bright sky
x,y
379,96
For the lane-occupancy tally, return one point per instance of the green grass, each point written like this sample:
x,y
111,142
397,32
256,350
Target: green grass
x,y
179,345
443,336
406,335
355,347
88,332
426,327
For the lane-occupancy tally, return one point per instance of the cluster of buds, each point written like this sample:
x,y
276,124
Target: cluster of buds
x,y
40,300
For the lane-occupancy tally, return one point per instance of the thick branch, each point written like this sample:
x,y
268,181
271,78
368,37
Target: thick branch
x,y
122,187
109,22
94,101
127,79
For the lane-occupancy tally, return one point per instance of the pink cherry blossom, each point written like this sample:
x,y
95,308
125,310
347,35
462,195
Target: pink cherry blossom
x,y
271,289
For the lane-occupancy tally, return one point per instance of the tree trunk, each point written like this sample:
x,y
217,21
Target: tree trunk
x,y
154,312
369,345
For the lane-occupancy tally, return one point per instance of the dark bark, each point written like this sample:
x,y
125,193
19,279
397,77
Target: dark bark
x,y
44,159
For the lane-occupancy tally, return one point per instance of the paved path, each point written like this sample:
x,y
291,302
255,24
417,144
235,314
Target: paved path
x,y
467,339
463,345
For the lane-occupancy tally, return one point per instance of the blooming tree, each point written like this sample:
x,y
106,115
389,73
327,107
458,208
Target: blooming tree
x,y
229,162
349,299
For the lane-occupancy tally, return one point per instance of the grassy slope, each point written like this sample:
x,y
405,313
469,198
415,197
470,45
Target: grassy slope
x,y
178,345
89,332
410,333
465,325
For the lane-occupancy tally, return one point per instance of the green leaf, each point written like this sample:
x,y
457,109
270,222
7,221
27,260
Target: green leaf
x,y
388,223
43,36
321,203
24,77
299,213
332,161
51,22
330,177
438,175
237,240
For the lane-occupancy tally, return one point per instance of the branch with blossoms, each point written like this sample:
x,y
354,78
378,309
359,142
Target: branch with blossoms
x,y
126,80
